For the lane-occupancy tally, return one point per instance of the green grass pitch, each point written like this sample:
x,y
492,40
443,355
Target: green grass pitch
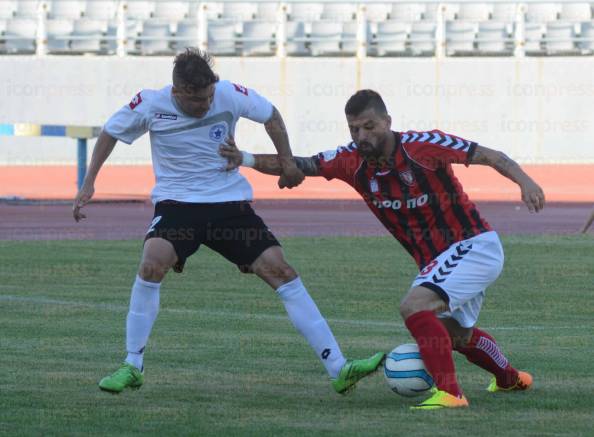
x,y
224,359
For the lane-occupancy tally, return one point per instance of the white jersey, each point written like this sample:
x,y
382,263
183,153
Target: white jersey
x,y
186,161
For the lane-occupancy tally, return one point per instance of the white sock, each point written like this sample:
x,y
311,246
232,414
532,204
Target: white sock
x,y
308,320
144,307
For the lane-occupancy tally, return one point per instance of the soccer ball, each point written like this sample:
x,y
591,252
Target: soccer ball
x,y
405,371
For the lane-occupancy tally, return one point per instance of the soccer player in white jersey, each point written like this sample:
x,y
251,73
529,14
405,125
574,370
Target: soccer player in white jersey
x,y
198,202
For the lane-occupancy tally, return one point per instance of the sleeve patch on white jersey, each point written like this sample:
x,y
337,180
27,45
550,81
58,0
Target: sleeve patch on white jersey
x,y
241,89
137,100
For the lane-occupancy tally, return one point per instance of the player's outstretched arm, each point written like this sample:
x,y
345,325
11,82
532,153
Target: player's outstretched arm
x,y
267,164
103,148
532,194
290,176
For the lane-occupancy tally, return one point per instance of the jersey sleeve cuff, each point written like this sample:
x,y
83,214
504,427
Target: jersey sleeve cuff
x,y
117,137
470,154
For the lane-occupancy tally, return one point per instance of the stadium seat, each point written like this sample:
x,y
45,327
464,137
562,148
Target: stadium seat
x,y
58,30
131,34
339,11
325,38
459,37
349,44
101,9
186,35
267,11
22,32
27,8
376,12
560,37
158,32
474,12
91,34
305,11
542,12
221,38
171,10
7,9
451,9
140,10
587,35
407,11
576,12
239,11
533,33
422,38
493,38
505,12
66,9
391,37
258,37
295,45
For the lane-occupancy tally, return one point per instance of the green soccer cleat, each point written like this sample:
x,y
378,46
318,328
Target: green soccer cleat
x,y
126,376
354,370
441,399
524,382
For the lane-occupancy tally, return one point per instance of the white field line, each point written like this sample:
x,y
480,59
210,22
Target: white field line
x,y
41,300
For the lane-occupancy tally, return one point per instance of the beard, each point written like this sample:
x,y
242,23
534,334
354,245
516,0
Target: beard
x,y
369,151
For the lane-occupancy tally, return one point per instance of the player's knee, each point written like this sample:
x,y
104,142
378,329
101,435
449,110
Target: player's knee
x,y
277,270
411,306
406,309
152,270
462,338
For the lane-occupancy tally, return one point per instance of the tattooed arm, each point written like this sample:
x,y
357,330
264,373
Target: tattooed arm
x,y
268,164
532,194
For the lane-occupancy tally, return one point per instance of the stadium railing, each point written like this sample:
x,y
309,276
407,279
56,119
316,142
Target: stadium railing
x,y
80,133
122,40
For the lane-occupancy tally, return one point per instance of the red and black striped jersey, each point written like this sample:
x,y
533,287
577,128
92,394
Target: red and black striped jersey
x,y
417,198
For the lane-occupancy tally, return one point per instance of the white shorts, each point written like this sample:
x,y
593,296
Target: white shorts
x,y
462,273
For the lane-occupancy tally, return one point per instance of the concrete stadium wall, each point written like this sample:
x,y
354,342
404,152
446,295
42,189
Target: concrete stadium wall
x,y
538,110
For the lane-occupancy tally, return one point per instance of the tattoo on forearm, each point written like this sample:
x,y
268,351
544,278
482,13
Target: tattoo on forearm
x,y
308,166
504,163
275,123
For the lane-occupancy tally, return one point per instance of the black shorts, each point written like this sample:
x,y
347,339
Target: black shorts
x,y
231,228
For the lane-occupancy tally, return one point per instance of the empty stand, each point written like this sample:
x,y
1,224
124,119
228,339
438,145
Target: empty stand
x,y
391,37
58,30
325,38
87,35
221,38
20,35
258,38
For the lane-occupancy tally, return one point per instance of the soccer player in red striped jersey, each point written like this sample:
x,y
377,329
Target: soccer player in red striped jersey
x,y
407,181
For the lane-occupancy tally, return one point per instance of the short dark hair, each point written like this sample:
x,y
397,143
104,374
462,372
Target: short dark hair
x,y
193,68
364,99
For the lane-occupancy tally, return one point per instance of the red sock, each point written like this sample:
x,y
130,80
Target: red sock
x,y
436,349
483,351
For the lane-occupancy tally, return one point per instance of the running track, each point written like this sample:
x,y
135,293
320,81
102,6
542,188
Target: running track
x,y
129,220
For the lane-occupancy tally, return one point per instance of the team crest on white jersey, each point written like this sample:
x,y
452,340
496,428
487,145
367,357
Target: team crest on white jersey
x,y
218,132
407,177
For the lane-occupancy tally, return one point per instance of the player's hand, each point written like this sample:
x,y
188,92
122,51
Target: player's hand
x,y
533,196
229,150
291,176
82,198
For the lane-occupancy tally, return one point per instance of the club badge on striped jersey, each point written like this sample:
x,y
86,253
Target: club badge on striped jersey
x,y
407,177
373,185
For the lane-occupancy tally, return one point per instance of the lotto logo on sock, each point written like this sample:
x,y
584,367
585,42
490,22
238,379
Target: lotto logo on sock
x,y
326,353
